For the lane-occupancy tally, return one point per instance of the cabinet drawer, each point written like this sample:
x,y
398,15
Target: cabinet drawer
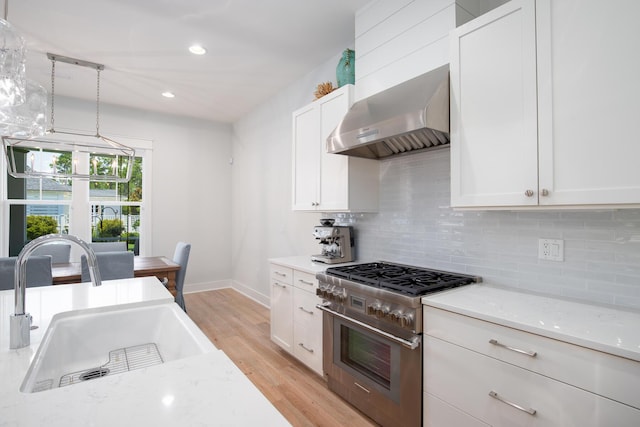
x,y
465,379
305,281
605,374
281,274
437,413
307,329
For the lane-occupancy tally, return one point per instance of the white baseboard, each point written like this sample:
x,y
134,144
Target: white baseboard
x,y
247,291
207,286
252,293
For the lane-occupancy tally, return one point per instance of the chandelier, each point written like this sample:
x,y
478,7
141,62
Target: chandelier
x,y
69,154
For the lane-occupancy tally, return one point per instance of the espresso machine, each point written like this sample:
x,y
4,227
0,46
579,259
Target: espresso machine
x,y
336,242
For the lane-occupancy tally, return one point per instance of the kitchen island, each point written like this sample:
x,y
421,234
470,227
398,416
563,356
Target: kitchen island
x,y
205,389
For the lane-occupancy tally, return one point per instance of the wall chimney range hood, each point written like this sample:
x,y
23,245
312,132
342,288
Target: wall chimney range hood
x,y
410,117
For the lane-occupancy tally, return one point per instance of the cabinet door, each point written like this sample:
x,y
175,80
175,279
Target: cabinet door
x,y
494,158
281,314
307,329
334,168
588,71
306,161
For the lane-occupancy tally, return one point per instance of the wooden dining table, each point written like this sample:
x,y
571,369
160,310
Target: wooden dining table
x,y
158,266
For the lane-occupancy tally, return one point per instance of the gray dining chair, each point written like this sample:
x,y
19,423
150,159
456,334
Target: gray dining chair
x,y
181,256
60,252
107,246
112,265
38,271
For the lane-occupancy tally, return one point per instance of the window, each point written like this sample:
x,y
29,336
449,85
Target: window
x,y
94,211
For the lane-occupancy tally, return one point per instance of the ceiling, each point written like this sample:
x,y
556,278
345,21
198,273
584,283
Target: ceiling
x,y
254,49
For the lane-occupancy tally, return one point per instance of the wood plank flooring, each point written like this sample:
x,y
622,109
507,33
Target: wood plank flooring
x,y
240,327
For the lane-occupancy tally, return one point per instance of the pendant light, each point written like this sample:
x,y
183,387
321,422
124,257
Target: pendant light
x,y
86,156
13,80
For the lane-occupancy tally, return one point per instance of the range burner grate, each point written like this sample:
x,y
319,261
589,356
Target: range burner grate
x,y
413,281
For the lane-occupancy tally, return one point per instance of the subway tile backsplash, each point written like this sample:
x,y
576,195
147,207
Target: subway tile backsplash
x,y
415,225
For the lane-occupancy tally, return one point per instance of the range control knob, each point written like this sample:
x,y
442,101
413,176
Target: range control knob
x,y
395,316
339,295
406,320
381,312
372,309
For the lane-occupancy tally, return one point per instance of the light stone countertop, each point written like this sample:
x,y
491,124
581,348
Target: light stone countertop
x,y
605,328
206,389
304,263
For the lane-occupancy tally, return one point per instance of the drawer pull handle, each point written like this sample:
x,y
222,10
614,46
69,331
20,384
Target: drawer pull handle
x,y
514,405
279,285
280,274
517,350
306,311
310,350
305,282
362,388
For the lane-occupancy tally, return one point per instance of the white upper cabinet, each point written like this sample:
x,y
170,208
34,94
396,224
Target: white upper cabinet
x,y
543,98
329,182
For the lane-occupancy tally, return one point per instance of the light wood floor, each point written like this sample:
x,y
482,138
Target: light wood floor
x,y
240,327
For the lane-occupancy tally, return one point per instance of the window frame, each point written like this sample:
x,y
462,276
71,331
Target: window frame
x,y
80,224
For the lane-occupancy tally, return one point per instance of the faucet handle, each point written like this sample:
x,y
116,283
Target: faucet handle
x,y
20,328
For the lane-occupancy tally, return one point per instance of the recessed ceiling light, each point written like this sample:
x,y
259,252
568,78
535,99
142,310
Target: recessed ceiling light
x,y
168,94
196,49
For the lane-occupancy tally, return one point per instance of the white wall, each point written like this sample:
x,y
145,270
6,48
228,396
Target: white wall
x,y
264,226
191,195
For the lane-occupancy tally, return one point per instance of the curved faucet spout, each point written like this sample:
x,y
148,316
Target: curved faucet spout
x,y
20,321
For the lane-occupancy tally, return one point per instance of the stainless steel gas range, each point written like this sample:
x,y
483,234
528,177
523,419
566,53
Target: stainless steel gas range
x,y
372,335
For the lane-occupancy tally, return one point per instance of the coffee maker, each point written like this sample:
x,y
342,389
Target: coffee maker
x,y
336,242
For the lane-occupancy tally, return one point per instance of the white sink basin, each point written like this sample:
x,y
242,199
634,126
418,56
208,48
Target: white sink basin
x,y
84,345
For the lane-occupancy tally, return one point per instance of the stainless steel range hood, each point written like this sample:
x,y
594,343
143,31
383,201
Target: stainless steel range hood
x,y
412,116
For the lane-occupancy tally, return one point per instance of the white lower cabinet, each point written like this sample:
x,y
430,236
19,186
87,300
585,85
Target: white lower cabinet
x,y
281,279
479,373
296,323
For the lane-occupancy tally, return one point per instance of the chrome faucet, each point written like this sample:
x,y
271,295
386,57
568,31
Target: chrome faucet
x,y
20,322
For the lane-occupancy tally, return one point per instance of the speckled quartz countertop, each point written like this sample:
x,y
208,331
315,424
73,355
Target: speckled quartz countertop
x,y
304,263
604,328
205,389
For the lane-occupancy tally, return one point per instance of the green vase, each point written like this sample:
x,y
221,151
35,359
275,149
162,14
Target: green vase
x,y
346,69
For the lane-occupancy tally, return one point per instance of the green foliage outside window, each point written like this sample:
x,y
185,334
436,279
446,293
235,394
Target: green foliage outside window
x,y
39,225
109,228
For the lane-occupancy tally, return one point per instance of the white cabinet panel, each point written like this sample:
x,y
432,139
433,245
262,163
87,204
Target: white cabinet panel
x,y
544,98
438,413
465,379
329,182
494,157
307,329
588,101
282,314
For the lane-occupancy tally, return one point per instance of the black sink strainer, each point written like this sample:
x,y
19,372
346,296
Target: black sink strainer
x,y
94,373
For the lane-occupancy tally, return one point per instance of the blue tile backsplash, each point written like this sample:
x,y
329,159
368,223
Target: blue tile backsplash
x,y
415,225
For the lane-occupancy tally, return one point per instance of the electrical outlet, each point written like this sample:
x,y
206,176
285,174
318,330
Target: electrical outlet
x,y
551,249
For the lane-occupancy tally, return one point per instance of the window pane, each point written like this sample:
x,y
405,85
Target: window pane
x,y
111,191
28,222
116,223
40,188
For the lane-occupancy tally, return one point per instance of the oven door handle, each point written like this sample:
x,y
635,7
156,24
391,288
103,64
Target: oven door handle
x,y
412,344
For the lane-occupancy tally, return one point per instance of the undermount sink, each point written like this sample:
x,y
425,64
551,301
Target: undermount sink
x,y
84,345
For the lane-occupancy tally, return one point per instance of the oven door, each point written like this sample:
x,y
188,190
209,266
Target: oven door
x,y
376,373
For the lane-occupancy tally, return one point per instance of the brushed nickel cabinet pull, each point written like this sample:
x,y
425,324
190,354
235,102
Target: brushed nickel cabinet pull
x,y
279,285
495,395
517,350
306,311
305,282
310,350
529,193
280,274
362,388
544,192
